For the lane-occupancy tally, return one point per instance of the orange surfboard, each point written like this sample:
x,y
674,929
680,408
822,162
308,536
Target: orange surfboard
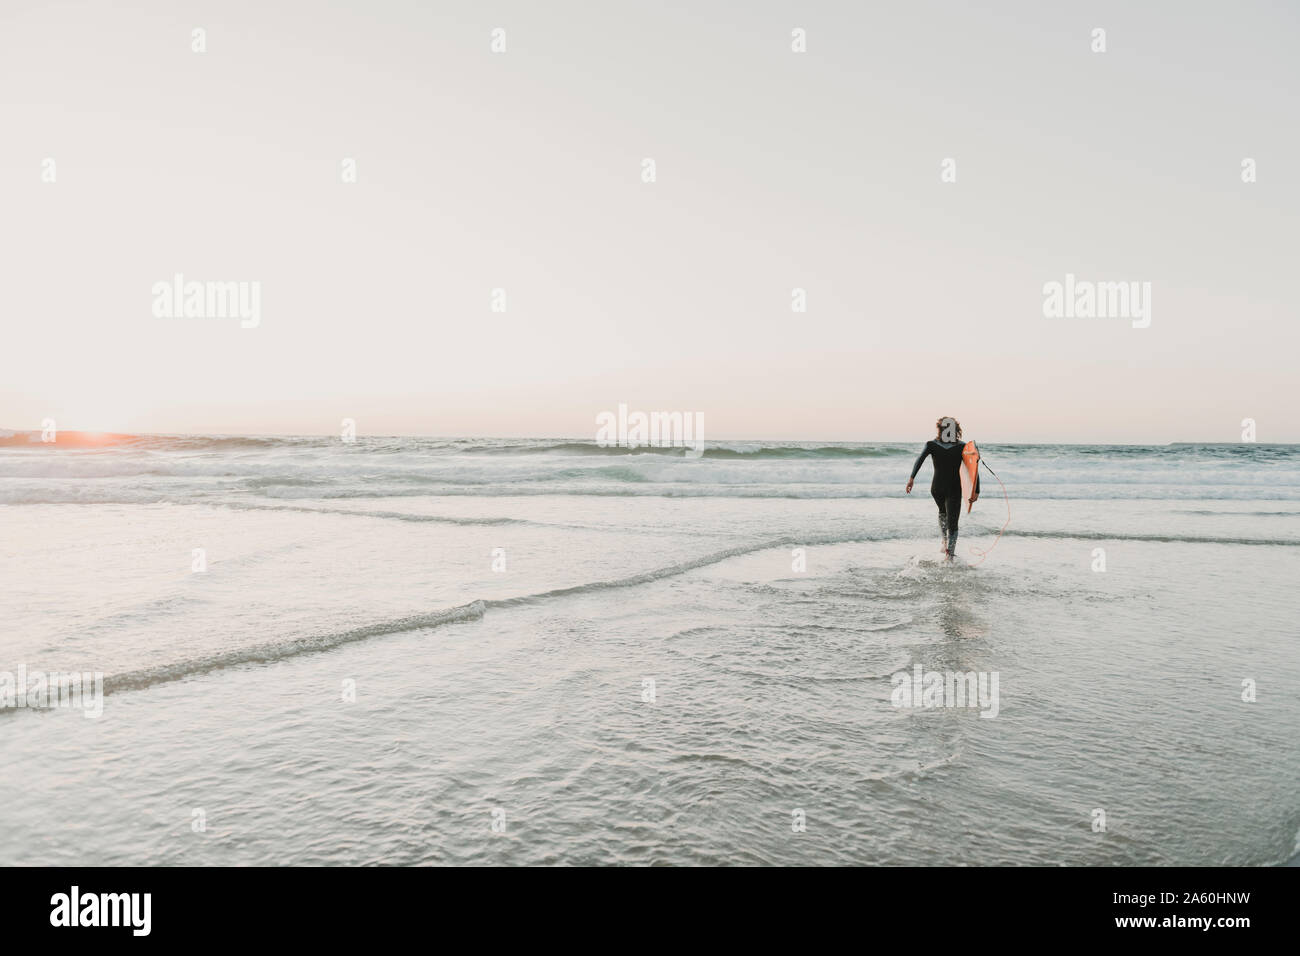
x,y
970,464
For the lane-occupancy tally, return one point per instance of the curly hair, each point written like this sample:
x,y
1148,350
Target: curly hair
x,y
939,428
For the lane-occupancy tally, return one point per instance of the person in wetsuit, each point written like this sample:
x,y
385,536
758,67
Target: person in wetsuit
x,y
945,488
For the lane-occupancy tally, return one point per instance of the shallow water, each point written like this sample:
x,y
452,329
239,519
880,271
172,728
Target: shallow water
x,y
521,696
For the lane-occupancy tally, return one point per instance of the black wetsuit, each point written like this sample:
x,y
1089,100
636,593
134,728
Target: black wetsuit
x,y
946,486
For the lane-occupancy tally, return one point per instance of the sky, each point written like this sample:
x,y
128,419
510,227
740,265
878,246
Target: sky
x,y
775,170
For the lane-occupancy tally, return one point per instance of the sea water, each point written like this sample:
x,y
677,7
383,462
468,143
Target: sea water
x,y
413,651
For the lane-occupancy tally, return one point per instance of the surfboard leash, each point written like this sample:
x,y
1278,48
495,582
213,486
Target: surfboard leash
x,y
985,553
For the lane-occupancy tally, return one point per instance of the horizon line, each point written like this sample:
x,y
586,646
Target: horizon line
x,y
590,440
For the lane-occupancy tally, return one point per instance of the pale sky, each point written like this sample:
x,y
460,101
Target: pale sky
x,y
775,170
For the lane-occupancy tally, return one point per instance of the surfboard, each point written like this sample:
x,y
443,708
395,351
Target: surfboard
x,y
970,464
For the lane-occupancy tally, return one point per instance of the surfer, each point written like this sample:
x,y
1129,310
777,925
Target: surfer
x,y
946,449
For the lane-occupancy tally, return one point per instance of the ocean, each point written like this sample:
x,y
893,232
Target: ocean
x,y
484,651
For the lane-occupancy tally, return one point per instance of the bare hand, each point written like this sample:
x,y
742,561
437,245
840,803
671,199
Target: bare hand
x,y
909,486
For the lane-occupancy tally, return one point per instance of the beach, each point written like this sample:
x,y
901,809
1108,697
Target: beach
x,y
530,651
